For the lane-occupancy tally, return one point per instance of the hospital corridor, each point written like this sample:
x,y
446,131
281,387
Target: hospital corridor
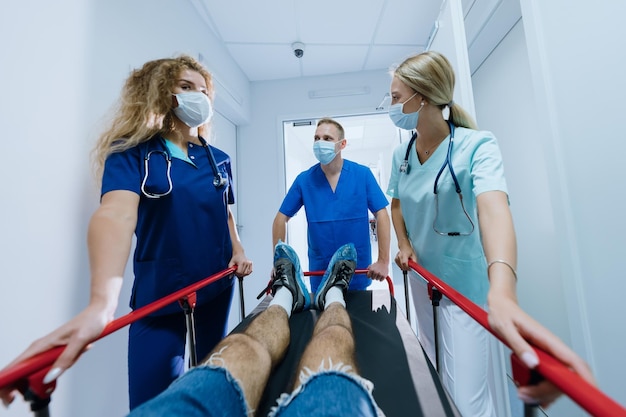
x,y
178,169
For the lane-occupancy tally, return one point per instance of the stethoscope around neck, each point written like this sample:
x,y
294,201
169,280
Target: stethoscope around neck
x,y
219,180
406,168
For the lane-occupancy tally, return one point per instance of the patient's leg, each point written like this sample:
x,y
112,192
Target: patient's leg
x,y
332,340
251,355
210,388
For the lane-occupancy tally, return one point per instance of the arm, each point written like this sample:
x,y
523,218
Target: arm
x,y
505,316
406,251
109,241
279,228
244,265
379,270
279,232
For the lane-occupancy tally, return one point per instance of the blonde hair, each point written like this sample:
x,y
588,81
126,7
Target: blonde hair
x,y
431,75
328,120
145,107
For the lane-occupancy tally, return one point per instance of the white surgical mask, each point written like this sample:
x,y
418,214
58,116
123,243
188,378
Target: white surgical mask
x,y
194,108
404,120
324,151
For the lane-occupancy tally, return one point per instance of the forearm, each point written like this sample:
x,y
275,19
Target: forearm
x,y
398,225
234,234
499,243
383,232
279,228
109,241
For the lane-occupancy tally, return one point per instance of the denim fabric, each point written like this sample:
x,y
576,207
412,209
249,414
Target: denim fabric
x,y
329,394
204,391
208,391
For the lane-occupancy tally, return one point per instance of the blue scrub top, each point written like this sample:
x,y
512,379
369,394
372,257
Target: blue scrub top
x,y
182,237
336,218
477,162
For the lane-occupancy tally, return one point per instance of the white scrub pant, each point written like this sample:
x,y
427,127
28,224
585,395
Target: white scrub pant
x,y
464,357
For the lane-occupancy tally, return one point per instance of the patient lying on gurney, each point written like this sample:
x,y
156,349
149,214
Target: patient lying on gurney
x,y
231,381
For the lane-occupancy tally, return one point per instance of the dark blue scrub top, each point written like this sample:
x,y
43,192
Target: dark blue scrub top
x,y
182,237
339,217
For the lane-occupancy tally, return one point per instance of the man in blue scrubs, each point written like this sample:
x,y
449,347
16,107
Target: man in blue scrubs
x,y
337,195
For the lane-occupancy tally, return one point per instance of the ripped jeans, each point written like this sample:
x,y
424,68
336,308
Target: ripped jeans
x,y
210,390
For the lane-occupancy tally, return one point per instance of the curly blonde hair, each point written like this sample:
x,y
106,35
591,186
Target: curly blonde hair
x,y
431,75
145,107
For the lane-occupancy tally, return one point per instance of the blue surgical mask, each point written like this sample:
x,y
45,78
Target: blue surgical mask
x,y
324,151
404,120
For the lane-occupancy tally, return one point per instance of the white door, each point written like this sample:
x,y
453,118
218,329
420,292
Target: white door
x,y
224,137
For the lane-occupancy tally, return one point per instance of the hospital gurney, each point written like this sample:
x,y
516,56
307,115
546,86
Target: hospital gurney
x,y
388,353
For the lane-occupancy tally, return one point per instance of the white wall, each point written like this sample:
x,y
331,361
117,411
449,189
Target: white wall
x,y
577,71
503,82
45,125
556,88
63,64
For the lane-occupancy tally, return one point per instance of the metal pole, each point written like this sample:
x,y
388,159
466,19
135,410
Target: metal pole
x,y
530,410
42,412
191,330
188,306
406,295
241,302
435,297
38,405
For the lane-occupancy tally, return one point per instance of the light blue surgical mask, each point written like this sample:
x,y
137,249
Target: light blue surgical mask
x,y
324,151
403,120
194,108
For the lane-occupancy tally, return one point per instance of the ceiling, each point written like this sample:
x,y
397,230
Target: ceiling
x,y
343,36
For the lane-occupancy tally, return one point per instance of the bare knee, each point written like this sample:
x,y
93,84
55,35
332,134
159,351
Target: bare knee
x,y
338,334
237,349
335,342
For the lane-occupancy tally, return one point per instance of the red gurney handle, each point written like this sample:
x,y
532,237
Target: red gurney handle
x,y
579,390
14,375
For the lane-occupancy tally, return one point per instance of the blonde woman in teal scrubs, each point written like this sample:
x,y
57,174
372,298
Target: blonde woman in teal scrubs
x,y
450,212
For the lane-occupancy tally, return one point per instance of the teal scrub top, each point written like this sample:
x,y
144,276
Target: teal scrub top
x,y
477,162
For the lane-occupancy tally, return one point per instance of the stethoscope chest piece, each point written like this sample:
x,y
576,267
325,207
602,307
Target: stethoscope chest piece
x,y
219,181
405,168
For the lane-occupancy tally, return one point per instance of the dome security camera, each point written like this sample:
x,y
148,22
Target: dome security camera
x,y
298,49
